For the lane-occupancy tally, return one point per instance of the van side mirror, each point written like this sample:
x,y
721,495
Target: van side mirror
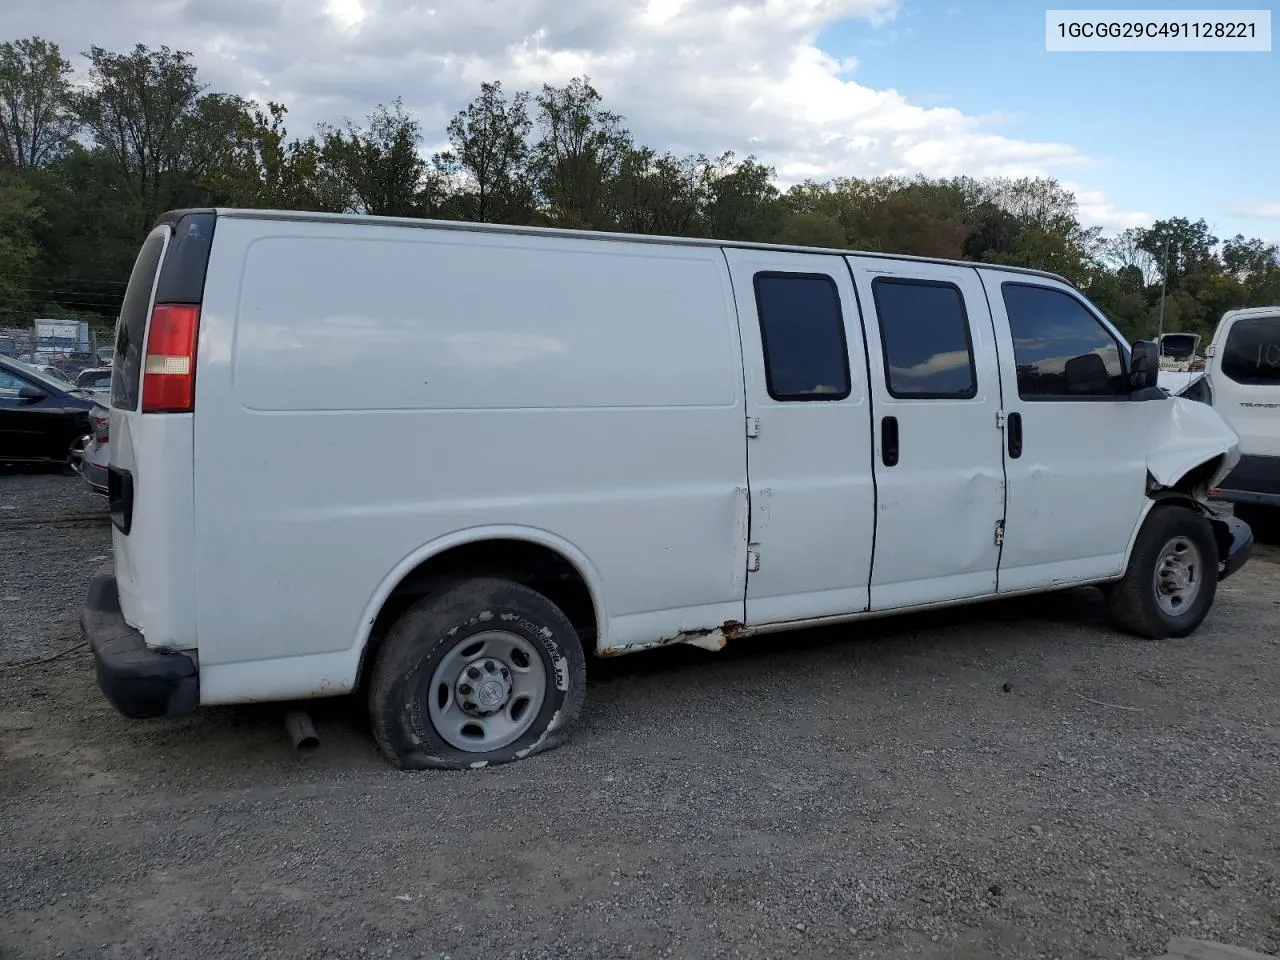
x,y
1144,365
30,394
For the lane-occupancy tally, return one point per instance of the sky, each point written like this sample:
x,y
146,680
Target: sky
x,y
816,88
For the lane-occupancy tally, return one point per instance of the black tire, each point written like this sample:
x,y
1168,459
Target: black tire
x,y
1133,602
432,629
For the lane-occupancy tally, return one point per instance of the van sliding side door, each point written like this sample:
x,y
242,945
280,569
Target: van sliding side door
x,y
809,436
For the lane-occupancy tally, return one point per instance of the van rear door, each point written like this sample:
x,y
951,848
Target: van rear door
x,y
150,475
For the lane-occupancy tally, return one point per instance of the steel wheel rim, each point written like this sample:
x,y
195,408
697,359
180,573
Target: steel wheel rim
x,y
1179,576
487,691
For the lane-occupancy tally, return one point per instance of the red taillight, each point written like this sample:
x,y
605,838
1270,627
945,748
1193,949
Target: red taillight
x,y
101,429
169,370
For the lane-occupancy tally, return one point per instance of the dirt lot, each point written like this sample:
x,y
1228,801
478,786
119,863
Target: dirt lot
x,y
864,791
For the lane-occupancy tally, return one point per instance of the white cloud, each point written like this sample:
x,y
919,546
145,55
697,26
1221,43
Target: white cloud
x,y
1097,210
1259,211
689,75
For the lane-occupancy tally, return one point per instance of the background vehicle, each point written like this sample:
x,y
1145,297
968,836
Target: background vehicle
x,y
1242,382
41,419
95,457
96,381
52,372
617,443
1178,352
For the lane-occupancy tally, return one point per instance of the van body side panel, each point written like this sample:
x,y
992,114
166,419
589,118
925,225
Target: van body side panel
x,y
155,563
365,391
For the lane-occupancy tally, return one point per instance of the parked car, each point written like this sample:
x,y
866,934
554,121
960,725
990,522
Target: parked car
x,y
600,443
96,381
49,370
73,363
41,419
1241,381
94,458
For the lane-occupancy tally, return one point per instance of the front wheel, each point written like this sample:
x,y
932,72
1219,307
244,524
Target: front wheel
x,y
485,672
1172,575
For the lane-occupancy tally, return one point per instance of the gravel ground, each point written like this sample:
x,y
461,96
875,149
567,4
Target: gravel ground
x,y
54,535
1012,780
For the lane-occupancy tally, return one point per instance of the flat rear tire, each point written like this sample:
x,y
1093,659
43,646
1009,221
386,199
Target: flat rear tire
x,y
482,672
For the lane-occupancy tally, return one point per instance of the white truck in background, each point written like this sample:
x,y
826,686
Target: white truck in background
x,y
1241,381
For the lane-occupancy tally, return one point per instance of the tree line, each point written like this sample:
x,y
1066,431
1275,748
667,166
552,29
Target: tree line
x,y
86,168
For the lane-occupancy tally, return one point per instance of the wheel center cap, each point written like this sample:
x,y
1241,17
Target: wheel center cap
x,y
490,693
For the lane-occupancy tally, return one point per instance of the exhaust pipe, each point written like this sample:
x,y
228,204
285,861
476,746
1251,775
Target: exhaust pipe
x,y
301,732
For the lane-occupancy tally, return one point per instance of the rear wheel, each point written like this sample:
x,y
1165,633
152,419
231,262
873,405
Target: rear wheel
x,y
75,455
1172,577
482,672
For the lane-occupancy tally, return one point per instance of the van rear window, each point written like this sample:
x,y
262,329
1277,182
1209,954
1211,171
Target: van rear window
x,y
132,326
1251,354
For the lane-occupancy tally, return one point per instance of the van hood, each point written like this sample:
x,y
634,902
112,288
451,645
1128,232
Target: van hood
x,y
1186,434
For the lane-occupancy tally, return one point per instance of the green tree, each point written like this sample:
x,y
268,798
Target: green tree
x,y
1180,249
812,230
264,168
740,199
148,116
578,154
657,193
378,168
489,148
36,117
19,215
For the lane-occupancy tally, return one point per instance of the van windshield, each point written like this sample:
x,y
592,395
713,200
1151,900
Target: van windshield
x,y
1251,354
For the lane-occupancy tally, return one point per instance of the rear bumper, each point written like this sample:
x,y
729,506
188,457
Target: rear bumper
x,y
95,476
138,680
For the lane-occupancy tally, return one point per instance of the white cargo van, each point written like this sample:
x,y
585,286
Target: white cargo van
x,y
439,463
1242,382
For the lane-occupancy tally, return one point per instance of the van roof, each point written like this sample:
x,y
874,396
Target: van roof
x,y
243,213
1243,312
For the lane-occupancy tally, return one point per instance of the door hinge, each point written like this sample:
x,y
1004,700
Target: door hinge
x,y
1001,419
753,426
753,558
999,533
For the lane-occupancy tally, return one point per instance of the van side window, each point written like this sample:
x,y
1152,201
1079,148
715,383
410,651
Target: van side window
x,y
924,334
1061,350
806,356
1251,355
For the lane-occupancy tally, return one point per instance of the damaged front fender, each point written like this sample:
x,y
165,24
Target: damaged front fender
x,y
1186,435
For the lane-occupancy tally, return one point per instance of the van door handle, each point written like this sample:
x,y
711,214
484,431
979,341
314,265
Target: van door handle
x,y
1015,435
889,441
